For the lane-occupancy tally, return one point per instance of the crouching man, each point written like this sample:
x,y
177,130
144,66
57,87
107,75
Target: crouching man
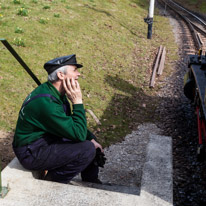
x,y
49,136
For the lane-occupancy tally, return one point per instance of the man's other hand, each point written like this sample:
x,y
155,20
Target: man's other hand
x,y
97,145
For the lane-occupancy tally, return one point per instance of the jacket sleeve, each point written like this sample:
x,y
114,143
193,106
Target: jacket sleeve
x,y
90,135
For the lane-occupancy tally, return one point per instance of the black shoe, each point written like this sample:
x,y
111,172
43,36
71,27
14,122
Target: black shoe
x,y
48,177
97,181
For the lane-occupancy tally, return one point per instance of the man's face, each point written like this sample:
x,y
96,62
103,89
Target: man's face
x,y
72,72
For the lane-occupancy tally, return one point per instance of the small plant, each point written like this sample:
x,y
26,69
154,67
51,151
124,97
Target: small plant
x,y
57,15
43,20
68,7
35,1
19,42
19,30
46,7
4,7
23,12
16,2
1,16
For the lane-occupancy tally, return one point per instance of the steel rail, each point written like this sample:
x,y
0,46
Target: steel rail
x,y
193,32
198,28
201,42
203,22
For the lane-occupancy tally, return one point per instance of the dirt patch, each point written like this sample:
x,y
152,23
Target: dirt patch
x,y
6,151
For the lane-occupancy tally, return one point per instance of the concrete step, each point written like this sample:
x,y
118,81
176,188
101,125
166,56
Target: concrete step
x,y
108,187
156,185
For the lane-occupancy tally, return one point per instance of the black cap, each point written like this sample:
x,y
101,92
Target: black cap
x,y
54,64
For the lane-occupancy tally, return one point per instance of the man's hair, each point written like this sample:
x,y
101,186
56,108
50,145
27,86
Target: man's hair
x,y
53,76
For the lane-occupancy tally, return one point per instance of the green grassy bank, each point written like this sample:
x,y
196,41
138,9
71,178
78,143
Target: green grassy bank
x,y
194,5
109,39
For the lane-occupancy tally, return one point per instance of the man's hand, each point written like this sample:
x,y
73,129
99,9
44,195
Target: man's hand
x,y
73,90
97,145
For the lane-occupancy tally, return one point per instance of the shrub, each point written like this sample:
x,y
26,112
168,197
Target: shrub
x,y
19,42
43,20
46,7
23,12
57,15
16,2
19,30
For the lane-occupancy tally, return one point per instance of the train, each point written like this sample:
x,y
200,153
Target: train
x,y
195,90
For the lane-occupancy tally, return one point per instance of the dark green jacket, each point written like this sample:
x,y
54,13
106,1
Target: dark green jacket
x,y
44,115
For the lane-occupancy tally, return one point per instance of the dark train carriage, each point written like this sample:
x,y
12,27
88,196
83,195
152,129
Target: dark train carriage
x,y
195,90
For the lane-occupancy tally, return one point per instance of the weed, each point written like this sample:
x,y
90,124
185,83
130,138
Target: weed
x,y
16,2
4,7
57,15
35,1
22,12
68,7
43,20
19,30
1,16
19,42
46,7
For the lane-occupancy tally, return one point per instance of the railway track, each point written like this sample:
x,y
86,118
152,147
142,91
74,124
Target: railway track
x,y
196,25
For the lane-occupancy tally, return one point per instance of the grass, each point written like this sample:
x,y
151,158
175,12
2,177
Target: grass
x,y
194,5
108,37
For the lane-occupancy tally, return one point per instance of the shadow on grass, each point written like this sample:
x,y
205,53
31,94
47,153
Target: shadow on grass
x,y
129,107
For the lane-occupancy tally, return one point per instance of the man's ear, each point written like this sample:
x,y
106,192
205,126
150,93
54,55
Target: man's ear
x,y
60,75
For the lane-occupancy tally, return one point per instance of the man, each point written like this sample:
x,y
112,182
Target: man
x,y
48,135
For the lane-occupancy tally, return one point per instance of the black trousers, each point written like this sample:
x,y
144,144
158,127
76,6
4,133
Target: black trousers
x,y
62,158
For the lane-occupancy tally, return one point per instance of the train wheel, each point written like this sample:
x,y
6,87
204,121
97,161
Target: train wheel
x,y
200,153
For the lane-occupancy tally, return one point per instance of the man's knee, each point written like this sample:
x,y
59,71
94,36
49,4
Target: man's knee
x,y
89,150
